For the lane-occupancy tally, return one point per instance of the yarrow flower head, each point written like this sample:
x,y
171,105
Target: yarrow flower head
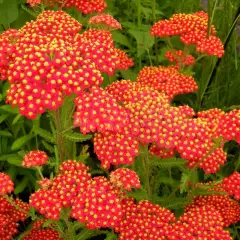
x,y
231,185
35,158
98,206
180,58
144,220
125,178
97,110
61,191
192,29
199,223
167,80
42,234
105,19
228,208
6,184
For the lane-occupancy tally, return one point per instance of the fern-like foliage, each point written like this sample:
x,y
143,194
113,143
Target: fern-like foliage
x,y
77,137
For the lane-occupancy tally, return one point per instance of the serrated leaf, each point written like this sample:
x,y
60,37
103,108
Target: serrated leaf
x,y
168,162
77,137
17,144
44,134
49,147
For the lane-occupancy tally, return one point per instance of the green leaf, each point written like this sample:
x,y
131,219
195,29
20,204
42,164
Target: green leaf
x,y
5,133
48,146
15,160
16,119
9,108
3,117
168,162
20,186
44,134
77,137
17,144
144,40
120,38
8,11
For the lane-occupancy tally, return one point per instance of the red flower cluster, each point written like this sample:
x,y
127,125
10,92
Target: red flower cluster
x,y
6,184
228,208
176,129
98,206
231,185
85,6
125,178
62,190
124,61
192,29
229,125
162,152
10,216
106,20
180,58
115,148
97,110
144,221
48,59
33,3
167,80
202,222
42,234
35,158
7,47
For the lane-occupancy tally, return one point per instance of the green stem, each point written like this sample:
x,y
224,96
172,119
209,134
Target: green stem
x,y
211,15
40,172
145,164
155,38
59,136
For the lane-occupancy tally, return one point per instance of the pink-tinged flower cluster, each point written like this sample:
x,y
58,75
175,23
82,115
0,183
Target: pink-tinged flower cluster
x,y
200,222
98,206
6,184
42,234
228,208
105,19
125,178
167,80
35,158
192,29
97,110
72,179
10,216
231,185
180,58
144,220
